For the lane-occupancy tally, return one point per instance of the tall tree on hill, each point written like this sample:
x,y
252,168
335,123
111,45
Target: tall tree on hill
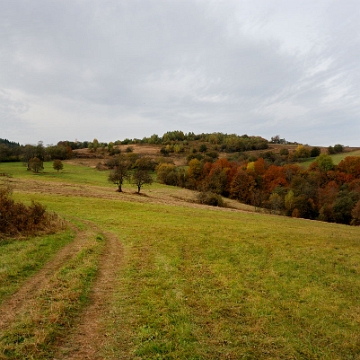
x,y
141,175
140,178
28,152
120,172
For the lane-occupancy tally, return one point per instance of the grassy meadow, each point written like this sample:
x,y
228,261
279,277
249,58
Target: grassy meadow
x,y
195,282
336,158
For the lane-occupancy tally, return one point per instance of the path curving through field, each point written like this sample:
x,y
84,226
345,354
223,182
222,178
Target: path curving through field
x,y
21,299
88,337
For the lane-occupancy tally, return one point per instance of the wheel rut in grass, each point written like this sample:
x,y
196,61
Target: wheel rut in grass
x,y
89,336
19,300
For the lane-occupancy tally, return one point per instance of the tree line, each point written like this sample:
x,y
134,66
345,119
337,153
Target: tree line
x,y
324,191
15,152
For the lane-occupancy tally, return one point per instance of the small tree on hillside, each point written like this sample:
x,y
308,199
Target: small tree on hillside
x,y
58,165
141,177
338,148
36,165
315,151
203,148
120,172
325,162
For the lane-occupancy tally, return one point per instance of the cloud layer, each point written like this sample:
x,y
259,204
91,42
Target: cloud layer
x,y
116,69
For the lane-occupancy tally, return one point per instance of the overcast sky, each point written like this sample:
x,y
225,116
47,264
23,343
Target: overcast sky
x,y
116,69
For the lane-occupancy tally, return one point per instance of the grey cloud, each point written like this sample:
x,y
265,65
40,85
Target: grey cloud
x,y
132,68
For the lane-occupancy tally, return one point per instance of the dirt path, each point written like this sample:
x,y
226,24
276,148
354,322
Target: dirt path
x,y
88,337
13,306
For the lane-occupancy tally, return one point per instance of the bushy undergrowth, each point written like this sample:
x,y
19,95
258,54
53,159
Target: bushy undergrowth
x,y
210,198
18,219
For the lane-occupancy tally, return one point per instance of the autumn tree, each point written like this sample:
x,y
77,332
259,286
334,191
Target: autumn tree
x,y
355,213
284,152
302,152
216,181
194,173
274,176
242,186
260,166
36,165
58,165
94,145
218,176
167,174
141,175
145,163
120,171
350,165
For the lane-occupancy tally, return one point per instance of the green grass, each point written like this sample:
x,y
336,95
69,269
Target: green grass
x,y
20,259
71,173
50,315
336,158
205,284
209,284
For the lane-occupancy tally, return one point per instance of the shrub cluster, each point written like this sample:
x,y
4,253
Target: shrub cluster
x,y
210,198
17,219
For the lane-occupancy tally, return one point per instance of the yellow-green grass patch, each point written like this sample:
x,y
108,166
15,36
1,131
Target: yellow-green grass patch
x,y
208,284
20,259
49,315
336,158
202,283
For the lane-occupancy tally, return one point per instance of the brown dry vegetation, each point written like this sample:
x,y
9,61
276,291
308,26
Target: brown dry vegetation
x,y
17,219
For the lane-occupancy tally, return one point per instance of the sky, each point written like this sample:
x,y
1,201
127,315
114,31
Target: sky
x,y
116,69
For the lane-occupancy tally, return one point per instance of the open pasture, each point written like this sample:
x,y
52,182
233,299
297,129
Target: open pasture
x,y
336,158
187,281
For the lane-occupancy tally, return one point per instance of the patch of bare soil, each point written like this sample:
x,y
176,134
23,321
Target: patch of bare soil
x,y
142,149
87,338
21,299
